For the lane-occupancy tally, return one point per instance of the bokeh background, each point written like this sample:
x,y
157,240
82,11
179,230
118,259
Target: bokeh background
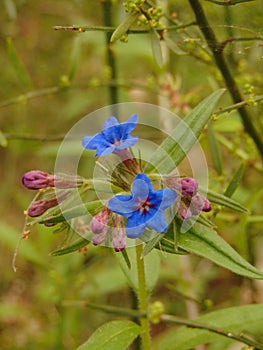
x,y
50,80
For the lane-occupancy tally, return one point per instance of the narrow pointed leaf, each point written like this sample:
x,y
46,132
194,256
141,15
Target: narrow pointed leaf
x,y
156,48
184,136
242,320
173,45
111,336
21,72
205,242
214,150
74,58
225,201
235,181
124,26
80,243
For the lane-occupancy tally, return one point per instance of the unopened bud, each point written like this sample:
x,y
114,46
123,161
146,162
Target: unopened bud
x,y
99,221
35,180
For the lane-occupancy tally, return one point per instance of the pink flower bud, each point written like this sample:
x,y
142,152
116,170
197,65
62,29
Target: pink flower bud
x,y
99,221
207,205
184,213
38,208
99,238
189,186
35,180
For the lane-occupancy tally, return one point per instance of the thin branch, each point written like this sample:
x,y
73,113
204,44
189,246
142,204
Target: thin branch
x,y
225,71
191,324
223,44
238,105
109,29
229,2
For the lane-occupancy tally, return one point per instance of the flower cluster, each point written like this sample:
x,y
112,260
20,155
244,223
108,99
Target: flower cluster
x,y
123,215
191,202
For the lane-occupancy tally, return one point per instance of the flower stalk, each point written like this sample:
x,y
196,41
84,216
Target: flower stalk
x,y
143,300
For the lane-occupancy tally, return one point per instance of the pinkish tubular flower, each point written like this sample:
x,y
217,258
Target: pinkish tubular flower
x,y
184,213
35,180
99,238
99,221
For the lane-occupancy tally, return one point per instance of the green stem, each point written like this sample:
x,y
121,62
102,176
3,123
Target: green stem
x,y
111,62
143,300
221,63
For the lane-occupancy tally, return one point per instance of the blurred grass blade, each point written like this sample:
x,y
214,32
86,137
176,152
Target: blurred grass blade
x,y
124,26
11,9
235,181
214,150
184,136
21,72
112,335
3,140
80,243
156,48
225,201
74,58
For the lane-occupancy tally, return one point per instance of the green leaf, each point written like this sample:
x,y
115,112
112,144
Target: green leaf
x,y
18,66
3,140
80,243
111,336
152,266
172,45
156,47
183,137
225,201
205,242
214,149
238,320
124,26
235,181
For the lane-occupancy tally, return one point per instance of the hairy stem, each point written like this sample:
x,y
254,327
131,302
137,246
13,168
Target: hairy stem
x,y
219,58
143,300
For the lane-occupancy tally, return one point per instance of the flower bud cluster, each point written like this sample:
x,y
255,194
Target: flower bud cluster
x,y
191,203
101,229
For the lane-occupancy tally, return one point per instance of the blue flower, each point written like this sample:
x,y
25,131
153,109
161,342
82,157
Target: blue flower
x,y
114,137
144,207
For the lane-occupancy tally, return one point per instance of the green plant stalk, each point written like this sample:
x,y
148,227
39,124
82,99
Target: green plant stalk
x,y
110,56
143,299
220,61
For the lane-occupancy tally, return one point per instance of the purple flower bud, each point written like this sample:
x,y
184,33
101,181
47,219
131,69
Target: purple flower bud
x,y
66,181
207,205
38,208
35,180
189,186
185,213
99,221
198,203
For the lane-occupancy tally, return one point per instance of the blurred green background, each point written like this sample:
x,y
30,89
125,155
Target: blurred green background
x,y
49,80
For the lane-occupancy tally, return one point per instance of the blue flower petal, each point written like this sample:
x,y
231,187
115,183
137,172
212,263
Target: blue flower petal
x,y
134,228
129,125
123,205
141,187
112,121
169,196
129,142
158,223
